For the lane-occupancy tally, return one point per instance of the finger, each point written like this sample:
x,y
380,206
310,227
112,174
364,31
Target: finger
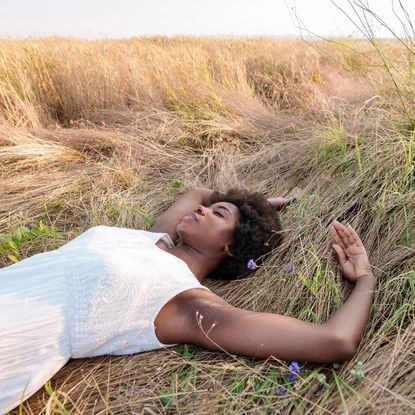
x,y
355,236
341,236
348,235
340,254
293,193
290,199
352,236
341,232
348,241
339,225
297,192
344,232
287,193
336,237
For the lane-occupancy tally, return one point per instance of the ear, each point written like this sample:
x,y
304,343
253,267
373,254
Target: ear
x,y
228,251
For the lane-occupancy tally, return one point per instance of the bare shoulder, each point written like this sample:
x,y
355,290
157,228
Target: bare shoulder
x,y
175,323
197,304
200,295
197,300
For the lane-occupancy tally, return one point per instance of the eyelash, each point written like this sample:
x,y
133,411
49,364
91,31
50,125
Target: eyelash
x,y
219,214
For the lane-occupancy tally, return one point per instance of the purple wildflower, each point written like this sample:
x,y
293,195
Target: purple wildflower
x,y
251,264
289,267
281,391
294,369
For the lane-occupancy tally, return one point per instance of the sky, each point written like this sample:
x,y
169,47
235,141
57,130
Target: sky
x,y
96,19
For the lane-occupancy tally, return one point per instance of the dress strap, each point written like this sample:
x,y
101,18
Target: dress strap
x,y
166,238
156,236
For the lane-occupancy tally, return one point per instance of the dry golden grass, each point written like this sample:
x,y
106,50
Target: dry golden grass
x,y
112,132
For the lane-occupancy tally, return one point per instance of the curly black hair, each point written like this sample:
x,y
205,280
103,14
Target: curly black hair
x,y
257,232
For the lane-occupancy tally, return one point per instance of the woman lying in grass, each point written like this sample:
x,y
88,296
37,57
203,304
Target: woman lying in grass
x,y
120,291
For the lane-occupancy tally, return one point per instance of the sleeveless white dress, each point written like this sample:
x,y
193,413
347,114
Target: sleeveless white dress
x,y
97,294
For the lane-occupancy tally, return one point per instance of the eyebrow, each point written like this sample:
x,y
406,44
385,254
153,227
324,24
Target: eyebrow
x,y
224,207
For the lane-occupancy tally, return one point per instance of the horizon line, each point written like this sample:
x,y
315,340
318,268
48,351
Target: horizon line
x,y
286,36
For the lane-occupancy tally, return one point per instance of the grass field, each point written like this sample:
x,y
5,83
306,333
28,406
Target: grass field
x,y
112,132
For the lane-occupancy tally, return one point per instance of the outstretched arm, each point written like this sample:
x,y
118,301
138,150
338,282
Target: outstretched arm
x,y
231,329
352,317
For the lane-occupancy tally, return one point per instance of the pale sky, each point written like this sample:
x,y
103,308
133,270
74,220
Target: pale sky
x,y
93,19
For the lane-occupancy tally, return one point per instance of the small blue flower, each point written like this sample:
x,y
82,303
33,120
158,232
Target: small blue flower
x,y
251,264
291,377
294,369
281,391
289,267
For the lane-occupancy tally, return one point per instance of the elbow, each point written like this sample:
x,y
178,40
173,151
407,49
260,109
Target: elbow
x,y
205,194
198,189
344,350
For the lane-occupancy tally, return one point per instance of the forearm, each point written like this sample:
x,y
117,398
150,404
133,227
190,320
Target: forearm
x,y
205,194
184,205
351,319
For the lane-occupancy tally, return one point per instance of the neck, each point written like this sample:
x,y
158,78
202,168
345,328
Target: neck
x,y
200,264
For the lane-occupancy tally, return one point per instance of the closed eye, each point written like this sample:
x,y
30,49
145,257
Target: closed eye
x,y
220,214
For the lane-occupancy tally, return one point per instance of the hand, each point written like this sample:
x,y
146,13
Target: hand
x,y
281,201
350,251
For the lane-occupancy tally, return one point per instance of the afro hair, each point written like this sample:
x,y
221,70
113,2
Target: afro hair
x,y
257,232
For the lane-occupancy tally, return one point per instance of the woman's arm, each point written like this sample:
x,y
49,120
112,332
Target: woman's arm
x,y
184,205
188,202
350,321
224,327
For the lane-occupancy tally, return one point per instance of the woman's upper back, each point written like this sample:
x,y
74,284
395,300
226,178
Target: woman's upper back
x,y
118,281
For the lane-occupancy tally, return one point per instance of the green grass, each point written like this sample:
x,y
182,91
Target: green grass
x,y
11,245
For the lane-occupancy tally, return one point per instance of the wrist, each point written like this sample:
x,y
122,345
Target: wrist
x,y
367,278
366,274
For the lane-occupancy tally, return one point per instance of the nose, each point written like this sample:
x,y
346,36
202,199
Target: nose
x,y
201,210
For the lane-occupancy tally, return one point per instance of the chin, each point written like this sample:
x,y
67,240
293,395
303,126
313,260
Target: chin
x,y
179,231
183,237
182,225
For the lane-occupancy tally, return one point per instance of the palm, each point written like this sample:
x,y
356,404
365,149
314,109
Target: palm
x,y
350,251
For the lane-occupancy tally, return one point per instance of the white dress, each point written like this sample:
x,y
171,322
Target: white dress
x,y
97,294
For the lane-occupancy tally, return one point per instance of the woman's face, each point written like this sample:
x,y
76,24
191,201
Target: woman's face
x,y
209,229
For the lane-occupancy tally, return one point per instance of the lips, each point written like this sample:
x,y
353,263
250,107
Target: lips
x,y
193,215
